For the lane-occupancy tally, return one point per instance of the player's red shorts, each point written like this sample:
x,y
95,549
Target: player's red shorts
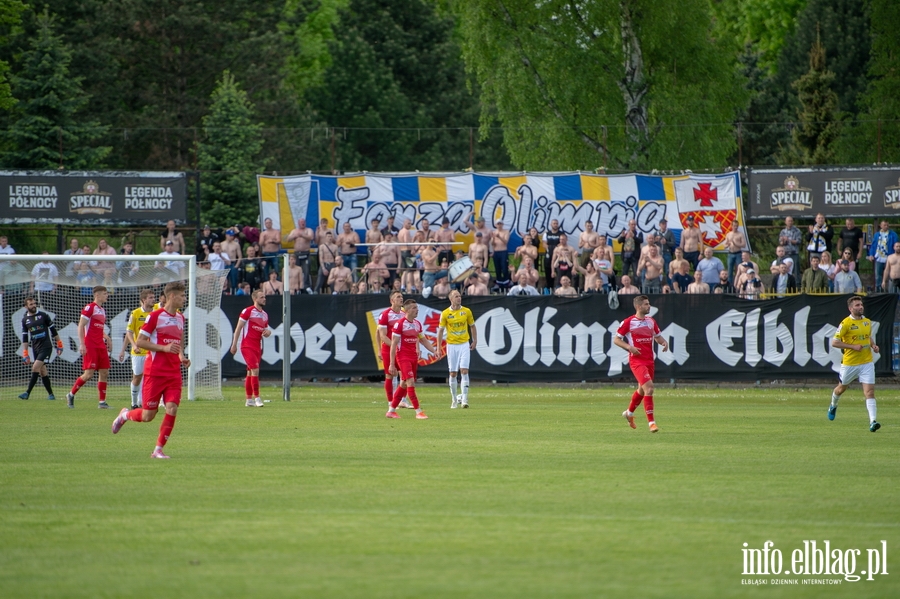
x,y
642,372
252,356
386,358
407,367
167,388
95,358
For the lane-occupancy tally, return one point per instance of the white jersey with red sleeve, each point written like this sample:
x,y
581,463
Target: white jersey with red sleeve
x,y
388,319
255,322
96,319
164,328
639,332
409,332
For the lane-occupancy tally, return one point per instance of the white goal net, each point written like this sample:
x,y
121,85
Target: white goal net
x,y
62,287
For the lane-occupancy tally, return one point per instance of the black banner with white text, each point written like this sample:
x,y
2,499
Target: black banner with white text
x,y
712,337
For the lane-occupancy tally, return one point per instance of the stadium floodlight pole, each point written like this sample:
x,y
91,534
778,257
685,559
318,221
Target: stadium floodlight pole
x,y
192,329
286,330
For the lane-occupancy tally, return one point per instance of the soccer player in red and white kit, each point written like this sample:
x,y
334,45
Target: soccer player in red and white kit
x,y
252,326
386,323
163,335
92,343
636,336
405,339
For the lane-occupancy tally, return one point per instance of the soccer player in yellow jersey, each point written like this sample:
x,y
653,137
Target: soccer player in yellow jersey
x,y
462,337
136,320
854,336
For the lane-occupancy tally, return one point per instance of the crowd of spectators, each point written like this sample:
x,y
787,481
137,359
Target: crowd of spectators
x,y
419,259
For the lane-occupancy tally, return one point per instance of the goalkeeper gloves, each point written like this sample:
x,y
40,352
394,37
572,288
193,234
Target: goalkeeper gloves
x,y
25,356
59,347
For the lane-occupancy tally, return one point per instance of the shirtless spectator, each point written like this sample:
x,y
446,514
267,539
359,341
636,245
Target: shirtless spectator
x,y
273,286
406,236
388,253
170,234
347,241
698,286
735,242
691,242
587,242
482,273
627,288
478,250
476,287
441,287
340,278
631,240
891,279
677,261
302,237
425,228
375,270
565,288
563,260
373,236
328,255
526,250
500,250
746,263
270,245
652,266
486,233
321,230
527,274
589,276
432,270
447,237
295,276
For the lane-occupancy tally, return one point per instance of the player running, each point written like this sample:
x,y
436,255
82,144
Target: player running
x,y
136,320
386,322
38,327
458,321
92,344
636,336
405,339
854,336
252,326
163,336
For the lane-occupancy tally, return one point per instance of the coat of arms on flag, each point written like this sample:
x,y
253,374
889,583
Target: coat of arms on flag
x,y
712,201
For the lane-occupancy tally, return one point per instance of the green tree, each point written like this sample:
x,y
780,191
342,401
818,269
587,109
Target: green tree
x,y
47,128
763,24
632,83
818,127
10,18
228,157
397,93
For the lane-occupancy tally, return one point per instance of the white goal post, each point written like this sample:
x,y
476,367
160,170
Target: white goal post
x,y
61,286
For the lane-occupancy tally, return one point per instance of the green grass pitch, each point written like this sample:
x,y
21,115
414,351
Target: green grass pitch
x,y
533,492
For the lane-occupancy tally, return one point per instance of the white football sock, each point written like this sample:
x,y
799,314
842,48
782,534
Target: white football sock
x,y
873,411
465,388
134,394
453,388
834,399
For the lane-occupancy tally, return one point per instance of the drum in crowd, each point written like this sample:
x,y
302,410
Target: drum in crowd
x,y
462,269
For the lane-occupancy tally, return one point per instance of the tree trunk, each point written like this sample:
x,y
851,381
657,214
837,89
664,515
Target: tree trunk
x,y
634,90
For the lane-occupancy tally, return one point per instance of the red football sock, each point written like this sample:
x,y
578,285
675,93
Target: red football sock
x,y
389,388
248,387
411,392
255,383
648,407
165,429
399,394
135,415
635,401
79,383
101,390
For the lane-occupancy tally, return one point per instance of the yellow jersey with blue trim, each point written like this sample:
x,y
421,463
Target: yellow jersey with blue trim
x,y
136,320
855,331
457,323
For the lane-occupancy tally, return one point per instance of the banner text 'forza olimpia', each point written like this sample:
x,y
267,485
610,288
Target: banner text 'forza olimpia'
x,y
711,337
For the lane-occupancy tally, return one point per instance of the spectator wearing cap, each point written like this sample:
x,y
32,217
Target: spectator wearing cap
x,y
846,280
480,226
691,242
270,246
390,227
232,247
750,286
170,234
784,282
746,262
169,269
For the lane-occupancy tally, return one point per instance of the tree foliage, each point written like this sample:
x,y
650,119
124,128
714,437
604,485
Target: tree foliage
x,y
10,17
47,128
229,157
631,83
